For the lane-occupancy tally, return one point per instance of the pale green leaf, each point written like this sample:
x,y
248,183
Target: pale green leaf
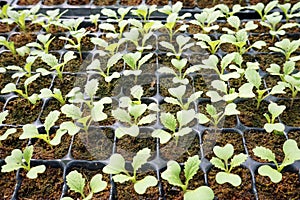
x,y
141,186
34,171
97,184
233,179
273,174
140,158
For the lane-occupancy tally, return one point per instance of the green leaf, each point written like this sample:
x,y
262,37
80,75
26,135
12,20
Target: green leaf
x,y
276,126
185,116
253,77
179,64
237,160
169,121
34,171
91,88
113,60
166,70
147,119
225,152
70,127
178,92
50,60
203,191
163,136
291,151
116,165
202,119
264,153
97,112
132,131
13,162
71,111
3,115
140,158
246,91
57,138
182,132
191,166
234,21
233,179
97,184
275,110
7,133
230,109
27,154
172,101
121,178
141,186
10,87
121,115
217,162
137,110
137,91
29,131
273,174
75,181
171,174
51,119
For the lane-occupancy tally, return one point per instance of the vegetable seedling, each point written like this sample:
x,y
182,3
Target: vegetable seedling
x,y
207,43
56,94
275,110
11,47
21,160
287,47
23,71
291,152
221,161
191,167
45,41
135,61
76,183
116,167
263,10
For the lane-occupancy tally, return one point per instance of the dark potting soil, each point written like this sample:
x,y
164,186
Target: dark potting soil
x,y
227,191
7,185
53,2
21,39
34,87
7,58
230,3
47,185
131,2
27,2
268,140
290,115
104,2
157,2
78,2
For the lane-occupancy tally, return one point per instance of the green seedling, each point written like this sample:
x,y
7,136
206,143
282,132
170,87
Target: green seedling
x,y
21,160
135,61
263,10
11,47
183,44
214,116
178,93
56,94
236,24
11,87
116,167
134,36
76,183
287,47
94,19
291,152
144,12
228,12
221,162
206,42
131,113
114,16
191,167
23,71
289,10
221,92
275,111
179,65
177,126
113,32
42,45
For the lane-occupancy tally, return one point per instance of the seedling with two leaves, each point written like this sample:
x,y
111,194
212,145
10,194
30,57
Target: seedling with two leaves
x,y
76,183
42,45
289,10
176,127
263,10
22,51
131,113
116,167
221,92
23,71
287,47
275,110
221,161
21,160
135,61
291,152
191,167
144,12
56,94
206,42
236,24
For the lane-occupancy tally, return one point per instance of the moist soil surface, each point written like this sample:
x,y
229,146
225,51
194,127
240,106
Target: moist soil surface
x,y
7,185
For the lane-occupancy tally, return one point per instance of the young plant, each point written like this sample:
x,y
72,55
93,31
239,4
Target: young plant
x,y
221,161
214,116
56,94
69,24
21,160
178,93
179,65
31,131
20,17
263,10
287,47
275,111
144,12
113,32
176,127
42,45
205,42
291,152
95,67
114,16
138,40
3,11
222,93
130,112
78,35
183,44
76,183
255,81
52,61
289,10
95,108
206,20
239,40
191,167
11,87
9,131
94,19
11,47
272,23
135,61
228,12
109,49
235,23
23,71
116,167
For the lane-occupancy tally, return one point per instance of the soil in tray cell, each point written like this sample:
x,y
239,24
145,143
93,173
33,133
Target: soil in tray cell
x,y
128,146
21,111
7,58
265,60
104,2
5,79
226,190
295,135
287,188
210,3
213,138
53,2
250,116
5,27
35,87
68,82
157,2
126,190
88,175
130,2
188,145
290,115
166,82
97,144
78,2
7,185
48,184
12,142
27,2
21,39
269,140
